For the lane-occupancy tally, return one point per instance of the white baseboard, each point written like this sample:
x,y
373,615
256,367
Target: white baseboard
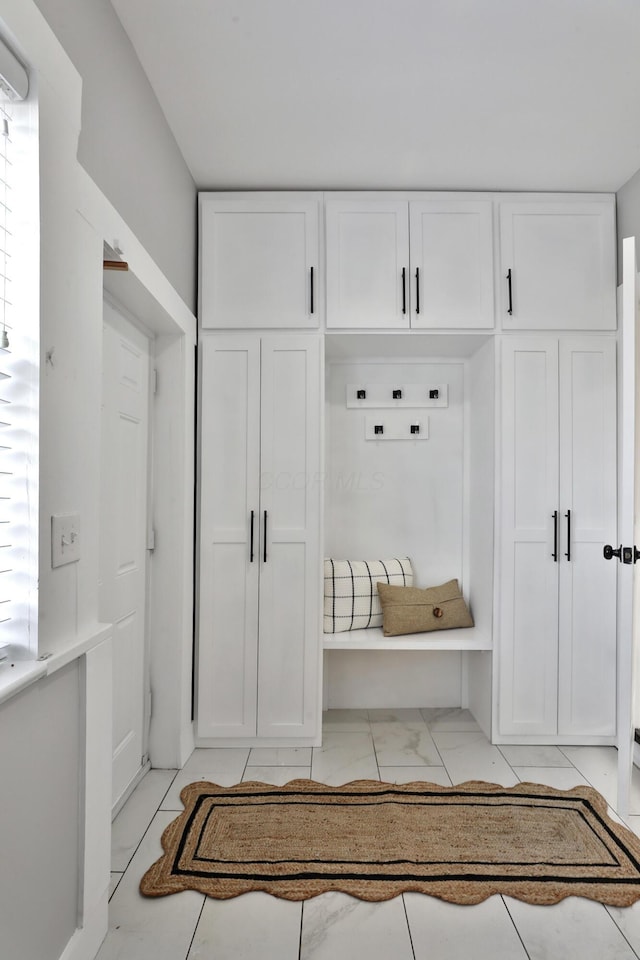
x,y
86,941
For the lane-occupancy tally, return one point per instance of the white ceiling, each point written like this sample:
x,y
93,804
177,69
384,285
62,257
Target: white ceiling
x,y
459,94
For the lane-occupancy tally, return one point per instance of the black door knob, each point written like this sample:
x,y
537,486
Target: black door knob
x,y
609,553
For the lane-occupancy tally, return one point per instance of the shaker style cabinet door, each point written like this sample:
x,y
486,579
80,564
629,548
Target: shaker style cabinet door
x,y
557,265
395,264
228,535
587,584
451,263
557,654
367,263
260,566
259,261
528,654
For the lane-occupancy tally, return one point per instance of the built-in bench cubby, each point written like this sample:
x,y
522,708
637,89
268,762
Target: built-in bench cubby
x,y
430,500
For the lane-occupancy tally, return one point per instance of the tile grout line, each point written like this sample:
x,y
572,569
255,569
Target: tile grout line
x,y
406,916
301,923
619,928
515,927
195,928
146,830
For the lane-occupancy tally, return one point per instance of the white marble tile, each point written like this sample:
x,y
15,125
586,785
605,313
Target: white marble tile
x,y
222,765
280,757
338,927
210,760
562,778
396,715
534,755
574,929
222,778
347,721
627,919
129,826
254,926
633,822
276,775
411,774
113,883
344,757
599,765
470,756
445,931
449,718
149,928
404,743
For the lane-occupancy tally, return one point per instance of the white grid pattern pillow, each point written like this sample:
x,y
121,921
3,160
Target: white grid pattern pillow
x,y
351,600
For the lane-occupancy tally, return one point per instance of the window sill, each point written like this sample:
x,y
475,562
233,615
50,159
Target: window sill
x,y
15,675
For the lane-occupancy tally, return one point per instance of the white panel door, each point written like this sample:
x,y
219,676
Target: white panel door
x,y
229,554
588,481
259,262
558,265
367,263
529,552
451,263
123,557
628,526
289,632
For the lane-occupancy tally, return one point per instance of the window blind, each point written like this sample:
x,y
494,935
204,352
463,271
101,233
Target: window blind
x,y
14,493
6,319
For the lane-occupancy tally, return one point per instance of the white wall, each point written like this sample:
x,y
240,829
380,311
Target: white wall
x,y
628,214
75,725
125,143
39,799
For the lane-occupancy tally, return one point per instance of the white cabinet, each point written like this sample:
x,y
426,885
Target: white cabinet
x,y
260,486
557,499
394,263
259,261
451,263
558,265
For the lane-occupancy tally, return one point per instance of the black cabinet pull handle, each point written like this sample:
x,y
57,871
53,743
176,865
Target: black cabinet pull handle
x,y
311,289
251,549
417,289
555,536
404,289
510,310
265,537
568,553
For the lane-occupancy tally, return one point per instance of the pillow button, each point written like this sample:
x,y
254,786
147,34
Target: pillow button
x,y
437,612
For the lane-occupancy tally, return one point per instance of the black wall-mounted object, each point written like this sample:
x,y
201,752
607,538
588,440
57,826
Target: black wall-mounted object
x,y
510,310
434,394
415,428
361,394
378,428
397,394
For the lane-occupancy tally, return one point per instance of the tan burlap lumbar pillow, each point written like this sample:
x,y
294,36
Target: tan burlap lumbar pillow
x,y
413,610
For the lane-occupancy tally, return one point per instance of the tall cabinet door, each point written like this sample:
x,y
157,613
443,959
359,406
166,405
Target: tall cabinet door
x,y
229,568
288,657
529,572
587,650
451,263
367,263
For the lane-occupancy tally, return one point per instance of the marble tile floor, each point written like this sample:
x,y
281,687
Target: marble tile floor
x,y
442,746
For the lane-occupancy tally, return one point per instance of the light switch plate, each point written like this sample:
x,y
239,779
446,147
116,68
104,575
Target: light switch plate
x,y
65,539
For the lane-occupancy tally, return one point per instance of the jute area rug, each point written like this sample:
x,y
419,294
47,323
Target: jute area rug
x,y
376,840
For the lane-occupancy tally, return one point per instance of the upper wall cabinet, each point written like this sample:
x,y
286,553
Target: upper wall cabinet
x,y
409,263
259,260
558,265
